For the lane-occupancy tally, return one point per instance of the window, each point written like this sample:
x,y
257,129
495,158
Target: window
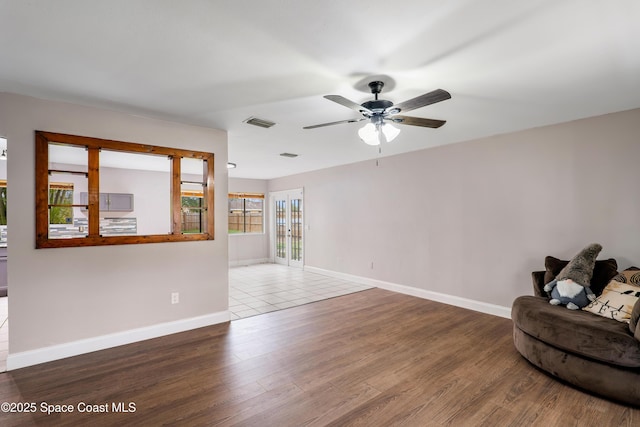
x,y
246,213
192,211
192,196
3,202
89,212
61,202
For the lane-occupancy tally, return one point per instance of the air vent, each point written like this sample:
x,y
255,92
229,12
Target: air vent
x,y
288,155
259,122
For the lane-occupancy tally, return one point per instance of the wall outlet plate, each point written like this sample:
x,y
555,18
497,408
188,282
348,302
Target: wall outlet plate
x,y
175,297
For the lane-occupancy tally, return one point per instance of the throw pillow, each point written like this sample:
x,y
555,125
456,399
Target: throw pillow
x,y
603,271
630,275
616,302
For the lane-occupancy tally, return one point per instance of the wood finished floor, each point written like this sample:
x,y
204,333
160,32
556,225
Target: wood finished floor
x,y
374,358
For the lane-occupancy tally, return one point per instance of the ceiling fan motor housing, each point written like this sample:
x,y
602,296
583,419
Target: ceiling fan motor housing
x,y
376,87
377,106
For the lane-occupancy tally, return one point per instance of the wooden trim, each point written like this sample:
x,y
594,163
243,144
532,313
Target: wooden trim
x,y
186,193
121,240
246,196
176,196
93,189
94,145
209,195
59,185
42,190
86,141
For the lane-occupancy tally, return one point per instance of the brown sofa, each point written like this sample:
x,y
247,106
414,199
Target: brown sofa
x,y
594,353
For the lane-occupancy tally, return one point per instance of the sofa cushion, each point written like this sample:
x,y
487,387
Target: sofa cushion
x,y
577,331
603,271
616,301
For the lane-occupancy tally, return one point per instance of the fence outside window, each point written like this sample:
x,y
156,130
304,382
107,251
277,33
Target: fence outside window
x,y
246,213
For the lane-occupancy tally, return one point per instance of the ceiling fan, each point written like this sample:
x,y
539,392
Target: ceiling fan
x,y
380,110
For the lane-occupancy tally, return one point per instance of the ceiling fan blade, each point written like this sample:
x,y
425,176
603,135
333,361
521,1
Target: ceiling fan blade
x,y
417,121
421,101
333,123
347,103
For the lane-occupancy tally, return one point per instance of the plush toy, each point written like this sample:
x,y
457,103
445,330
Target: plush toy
x,y
571,286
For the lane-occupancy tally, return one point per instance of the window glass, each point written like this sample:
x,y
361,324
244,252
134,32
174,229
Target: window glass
x,y
246,213
3,189
134,194
192,186
253,208
67,179
3,202
61,201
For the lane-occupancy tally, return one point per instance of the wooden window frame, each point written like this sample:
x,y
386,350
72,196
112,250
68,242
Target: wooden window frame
x,y
93,146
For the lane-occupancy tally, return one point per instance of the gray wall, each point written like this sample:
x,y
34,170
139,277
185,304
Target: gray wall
x,y
64,295
474,219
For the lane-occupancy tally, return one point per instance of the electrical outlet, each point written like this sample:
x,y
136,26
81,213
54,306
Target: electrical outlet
x,y
175,297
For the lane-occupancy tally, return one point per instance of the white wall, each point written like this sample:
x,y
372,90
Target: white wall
x,y
70,295
473,219
249,248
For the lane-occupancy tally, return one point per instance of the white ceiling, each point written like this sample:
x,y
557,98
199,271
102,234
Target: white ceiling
x,y
508,65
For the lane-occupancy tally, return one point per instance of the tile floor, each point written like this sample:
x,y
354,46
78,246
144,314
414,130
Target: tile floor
x,y
4,333
261,288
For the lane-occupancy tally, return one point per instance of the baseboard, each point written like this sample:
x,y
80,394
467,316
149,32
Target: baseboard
x,y
244,262
483,307
61,351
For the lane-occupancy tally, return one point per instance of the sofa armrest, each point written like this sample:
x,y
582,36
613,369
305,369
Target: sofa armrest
x,y
538,284
635,319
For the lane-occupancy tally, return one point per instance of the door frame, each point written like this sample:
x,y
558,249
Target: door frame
x,y
298,193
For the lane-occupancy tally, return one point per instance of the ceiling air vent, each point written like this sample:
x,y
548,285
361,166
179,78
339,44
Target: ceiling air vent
x,y
259,122
288,155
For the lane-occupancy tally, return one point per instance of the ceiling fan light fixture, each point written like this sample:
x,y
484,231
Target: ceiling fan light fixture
x,y
369,134
374,134
390,132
